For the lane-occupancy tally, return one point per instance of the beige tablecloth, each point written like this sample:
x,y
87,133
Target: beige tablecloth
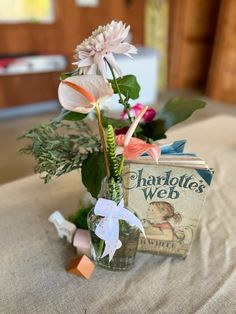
x,y
33,259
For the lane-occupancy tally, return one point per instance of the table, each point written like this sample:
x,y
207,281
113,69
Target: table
x,y
33,258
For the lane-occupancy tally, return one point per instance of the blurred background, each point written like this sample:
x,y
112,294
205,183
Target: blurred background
x,y
186,48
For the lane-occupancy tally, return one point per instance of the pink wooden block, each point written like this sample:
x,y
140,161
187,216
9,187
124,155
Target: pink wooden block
x,y
82,242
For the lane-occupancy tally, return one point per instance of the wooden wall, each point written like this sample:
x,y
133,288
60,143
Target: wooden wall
x,y
222,75
202,47
72,25
191,40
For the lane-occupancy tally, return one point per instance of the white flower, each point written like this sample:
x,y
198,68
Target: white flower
x,y
101,45
80,93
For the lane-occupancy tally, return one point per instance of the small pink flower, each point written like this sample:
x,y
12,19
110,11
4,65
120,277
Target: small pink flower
x,y
135,110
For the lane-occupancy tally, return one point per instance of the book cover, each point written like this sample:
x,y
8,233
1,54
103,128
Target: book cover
x,y
168,200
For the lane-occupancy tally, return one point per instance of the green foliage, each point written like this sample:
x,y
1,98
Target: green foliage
x,y
79,218
69,116
128,86
112,190
93,171
118,124
59,148
175,111
111,149
65,75
115,123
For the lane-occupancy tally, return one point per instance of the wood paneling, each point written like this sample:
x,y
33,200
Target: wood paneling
x,y
72,25
29,88
192,30
222,75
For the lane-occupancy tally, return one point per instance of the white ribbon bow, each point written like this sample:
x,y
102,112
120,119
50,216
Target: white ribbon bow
x,y
108,227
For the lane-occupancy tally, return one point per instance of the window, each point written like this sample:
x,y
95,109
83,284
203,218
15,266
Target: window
x,y
30,11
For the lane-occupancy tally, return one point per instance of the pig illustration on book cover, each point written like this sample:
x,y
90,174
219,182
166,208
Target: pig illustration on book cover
x,y
168,200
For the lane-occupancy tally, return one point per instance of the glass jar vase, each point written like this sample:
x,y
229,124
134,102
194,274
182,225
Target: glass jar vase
x,y
124,257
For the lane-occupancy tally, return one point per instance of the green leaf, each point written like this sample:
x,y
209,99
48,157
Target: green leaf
x,y
93,171
79,218
69,115
117,124
175,111
128,86
65,75
179,109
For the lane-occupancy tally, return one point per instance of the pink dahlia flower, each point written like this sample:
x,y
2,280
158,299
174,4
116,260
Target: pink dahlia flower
x,y
101,45
135,110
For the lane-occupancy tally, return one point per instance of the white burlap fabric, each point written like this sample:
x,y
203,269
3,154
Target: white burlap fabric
x,y
33,259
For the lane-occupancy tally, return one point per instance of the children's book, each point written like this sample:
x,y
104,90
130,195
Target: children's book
x,y
168,198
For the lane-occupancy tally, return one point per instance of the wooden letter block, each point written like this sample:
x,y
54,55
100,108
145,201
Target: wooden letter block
x,y
82,266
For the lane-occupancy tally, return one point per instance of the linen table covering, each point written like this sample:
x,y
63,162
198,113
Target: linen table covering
x,y
33,259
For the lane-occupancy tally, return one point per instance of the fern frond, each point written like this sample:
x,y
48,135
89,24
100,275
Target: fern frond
x,y
111,148
113,190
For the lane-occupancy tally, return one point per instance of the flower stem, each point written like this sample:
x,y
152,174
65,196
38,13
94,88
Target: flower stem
x,y
122,101
100,249
101,131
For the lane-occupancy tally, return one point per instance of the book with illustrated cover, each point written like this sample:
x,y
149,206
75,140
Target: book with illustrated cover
x,y
168,198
